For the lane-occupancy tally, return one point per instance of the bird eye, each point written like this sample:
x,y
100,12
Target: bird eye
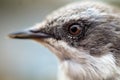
x,y
75,29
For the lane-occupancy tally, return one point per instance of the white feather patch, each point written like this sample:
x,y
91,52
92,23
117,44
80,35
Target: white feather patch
x,y
103,68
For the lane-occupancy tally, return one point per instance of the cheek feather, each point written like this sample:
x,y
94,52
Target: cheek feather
x,y
80,65
99,69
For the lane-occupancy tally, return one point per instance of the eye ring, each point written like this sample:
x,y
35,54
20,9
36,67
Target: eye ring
x,y
75,29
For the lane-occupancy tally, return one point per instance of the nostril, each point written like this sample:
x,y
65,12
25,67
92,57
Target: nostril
x,y
34,31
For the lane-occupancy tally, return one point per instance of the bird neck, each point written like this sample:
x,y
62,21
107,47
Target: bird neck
x,y
101,69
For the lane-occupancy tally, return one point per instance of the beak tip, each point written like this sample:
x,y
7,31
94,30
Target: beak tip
x,y
16,35
11,35
19,35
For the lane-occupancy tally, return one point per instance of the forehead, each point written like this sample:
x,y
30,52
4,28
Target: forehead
x,y
77,11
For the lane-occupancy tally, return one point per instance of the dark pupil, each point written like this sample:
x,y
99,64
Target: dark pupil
x,y
74,29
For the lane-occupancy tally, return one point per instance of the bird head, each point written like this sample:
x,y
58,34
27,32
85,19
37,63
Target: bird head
x,y
83,33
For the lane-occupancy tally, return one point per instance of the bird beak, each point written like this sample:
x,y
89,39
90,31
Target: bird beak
x,y
27,34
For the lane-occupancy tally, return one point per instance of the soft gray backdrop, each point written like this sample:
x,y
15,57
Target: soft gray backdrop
x,y
19,59
25,59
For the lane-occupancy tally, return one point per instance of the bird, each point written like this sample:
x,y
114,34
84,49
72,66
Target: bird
x,y
84,36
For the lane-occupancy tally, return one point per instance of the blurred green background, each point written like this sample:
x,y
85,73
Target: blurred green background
x,y
25,59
